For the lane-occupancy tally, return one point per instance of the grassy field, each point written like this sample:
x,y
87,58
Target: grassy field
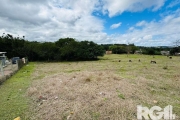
x,y
100,90
13,99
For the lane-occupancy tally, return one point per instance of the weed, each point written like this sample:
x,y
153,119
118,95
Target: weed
x,y
121,96
88,80
105,99
165,67
96,115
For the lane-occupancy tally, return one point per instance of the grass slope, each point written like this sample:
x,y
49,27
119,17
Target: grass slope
x,y
13,99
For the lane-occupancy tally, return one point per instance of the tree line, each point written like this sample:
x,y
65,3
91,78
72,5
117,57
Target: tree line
x,y
65,49
69,49
131,49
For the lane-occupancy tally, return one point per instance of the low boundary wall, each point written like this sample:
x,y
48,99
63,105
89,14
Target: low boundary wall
x,y
10,69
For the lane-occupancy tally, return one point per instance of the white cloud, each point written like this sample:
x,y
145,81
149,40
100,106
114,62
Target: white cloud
x,y
141,23
131,28
53,19
159,33
115,7
114,26
147,37
50,20
173,3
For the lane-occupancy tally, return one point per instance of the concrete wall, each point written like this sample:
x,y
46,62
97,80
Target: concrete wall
x,y
10,69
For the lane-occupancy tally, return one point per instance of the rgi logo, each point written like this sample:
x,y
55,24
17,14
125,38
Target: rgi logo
x,y
155,113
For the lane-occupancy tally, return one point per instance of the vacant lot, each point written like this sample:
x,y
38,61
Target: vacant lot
x,y
108,89
104,90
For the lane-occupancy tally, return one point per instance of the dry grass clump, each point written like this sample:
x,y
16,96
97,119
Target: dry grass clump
x,y
32,91
88,79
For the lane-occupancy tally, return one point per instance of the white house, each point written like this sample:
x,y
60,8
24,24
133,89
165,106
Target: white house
x,y
178,54
165,52
138,52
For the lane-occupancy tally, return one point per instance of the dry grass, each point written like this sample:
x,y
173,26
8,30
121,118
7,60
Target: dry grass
x,y
105,89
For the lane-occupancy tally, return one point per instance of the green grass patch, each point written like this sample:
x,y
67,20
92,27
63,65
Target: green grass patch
x,y
70,71
121,96
13,100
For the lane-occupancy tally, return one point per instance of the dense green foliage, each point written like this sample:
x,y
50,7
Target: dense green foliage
x,y
152,50
123,48
68,49
175,50
131,48
64,49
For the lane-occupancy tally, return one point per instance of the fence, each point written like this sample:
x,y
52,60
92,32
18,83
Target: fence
x,y
7,70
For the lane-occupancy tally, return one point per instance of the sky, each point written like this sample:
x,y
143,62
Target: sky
x,y
142,22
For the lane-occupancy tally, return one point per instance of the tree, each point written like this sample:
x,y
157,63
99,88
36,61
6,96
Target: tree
x,y
128,49
69,51
88,50
64,41
63,49
133,48
177,43
176,48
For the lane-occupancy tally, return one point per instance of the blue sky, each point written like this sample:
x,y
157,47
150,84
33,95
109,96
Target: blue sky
x,y
142,22
131,18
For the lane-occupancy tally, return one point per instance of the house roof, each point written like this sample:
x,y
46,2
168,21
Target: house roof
x,y
3,52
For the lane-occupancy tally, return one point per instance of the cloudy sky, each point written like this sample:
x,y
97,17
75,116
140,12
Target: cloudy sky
x,y
142,22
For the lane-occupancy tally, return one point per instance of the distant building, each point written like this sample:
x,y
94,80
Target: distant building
x,y
138,52
165,53
178,54
2,53
108,52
